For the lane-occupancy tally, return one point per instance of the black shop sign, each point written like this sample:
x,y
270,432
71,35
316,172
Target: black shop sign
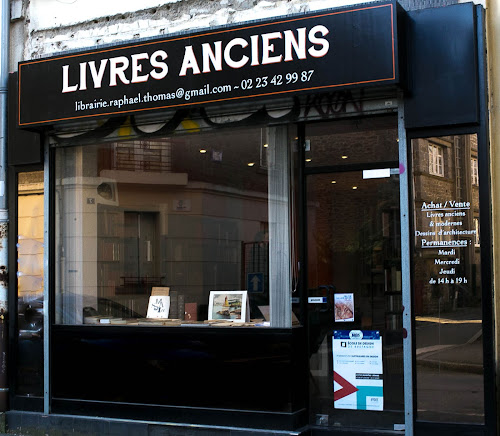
x,y
328,49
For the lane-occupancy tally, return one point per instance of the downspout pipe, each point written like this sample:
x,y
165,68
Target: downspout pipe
x,y
4,213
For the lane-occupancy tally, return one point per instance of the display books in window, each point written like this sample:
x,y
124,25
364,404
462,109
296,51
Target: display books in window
x,y
229,305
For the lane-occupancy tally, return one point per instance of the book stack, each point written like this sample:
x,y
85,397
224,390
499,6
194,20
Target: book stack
x,y
174,305
180,306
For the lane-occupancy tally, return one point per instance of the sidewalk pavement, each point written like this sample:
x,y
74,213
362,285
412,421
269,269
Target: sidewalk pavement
x,y
466,357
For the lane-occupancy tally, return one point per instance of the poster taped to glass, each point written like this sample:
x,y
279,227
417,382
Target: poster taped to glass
x,y
344,307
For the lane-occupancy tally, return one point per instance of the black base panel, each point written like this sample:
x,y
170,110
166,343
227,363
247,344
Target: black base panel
x,y
235,372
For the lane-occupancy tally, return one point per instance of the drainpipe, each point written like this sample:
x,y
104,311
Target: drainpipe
x,y
4,215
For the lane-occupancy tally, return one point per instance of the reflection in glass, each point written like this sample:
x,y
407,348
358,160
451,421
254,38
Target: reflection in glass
x,y
354,250
447,282
185,215
355,141
29,367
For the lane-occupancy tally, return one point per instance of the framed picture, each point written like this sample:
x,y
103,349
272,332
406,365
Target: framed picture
x,y
228,305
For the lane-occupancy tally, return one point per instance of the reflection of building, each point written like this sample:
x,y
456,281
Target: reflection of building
x,y
182,222
446,173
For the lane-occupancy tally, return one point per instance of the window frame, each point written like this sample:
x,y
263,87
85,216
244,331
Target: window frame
x,y
474,169
436,159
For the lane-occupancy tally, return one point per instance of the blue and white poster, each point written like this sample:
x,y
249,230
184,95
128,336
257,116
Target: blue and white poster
x,y
358,376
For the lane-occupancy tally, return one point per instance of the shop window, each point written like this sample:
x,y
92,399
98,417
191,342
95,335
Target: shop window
x,y
30,252
447,284
199,219
436,160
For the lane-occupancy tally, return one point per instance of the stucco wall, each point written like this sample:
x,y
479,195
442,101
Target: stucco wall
x,y
41,28
52,26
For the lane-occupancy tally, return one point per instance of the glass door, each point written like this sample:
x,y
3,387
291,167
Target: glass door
x,y
354,275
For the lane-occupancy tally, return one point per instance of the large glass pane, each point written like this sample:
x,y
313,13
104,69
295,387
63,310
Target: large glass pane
x,y
447,281
184,215
354,283
353,141
29,367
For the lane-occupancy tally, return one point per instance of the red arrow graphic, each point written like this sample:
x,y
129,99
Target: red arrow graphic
x,y
346,389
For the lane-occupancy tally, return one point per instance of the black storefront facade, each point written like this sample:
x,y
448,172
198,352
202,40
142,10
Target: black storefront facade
x,y
305,191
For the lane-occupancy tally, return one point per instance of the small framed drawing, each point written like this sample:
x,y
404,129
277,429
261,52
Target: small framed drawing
x,y
228,305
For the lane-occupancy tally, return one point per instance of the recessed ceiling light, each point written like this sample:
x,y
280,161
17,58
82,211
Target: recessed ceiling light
x,y
265,145
354,187
251,164
308,160
203,150
334,181
344,156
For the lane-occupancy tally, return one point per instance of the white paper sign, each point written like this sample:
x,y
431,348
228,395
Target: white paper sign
x,y
159,306
357,370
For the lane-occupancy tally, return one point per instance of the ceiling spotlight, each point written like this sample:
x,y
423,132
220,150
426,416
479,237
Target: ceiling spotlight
x,y
251,164
334,181
203,151
308,160
344,156
354,187
265,145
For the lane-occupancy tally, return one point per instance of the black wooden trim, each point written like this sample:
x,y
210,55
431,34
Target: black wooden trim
x,y
423,428
351,167
191,415
37,423
318,431
105,369
490,399
441,131
482,131
302,241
